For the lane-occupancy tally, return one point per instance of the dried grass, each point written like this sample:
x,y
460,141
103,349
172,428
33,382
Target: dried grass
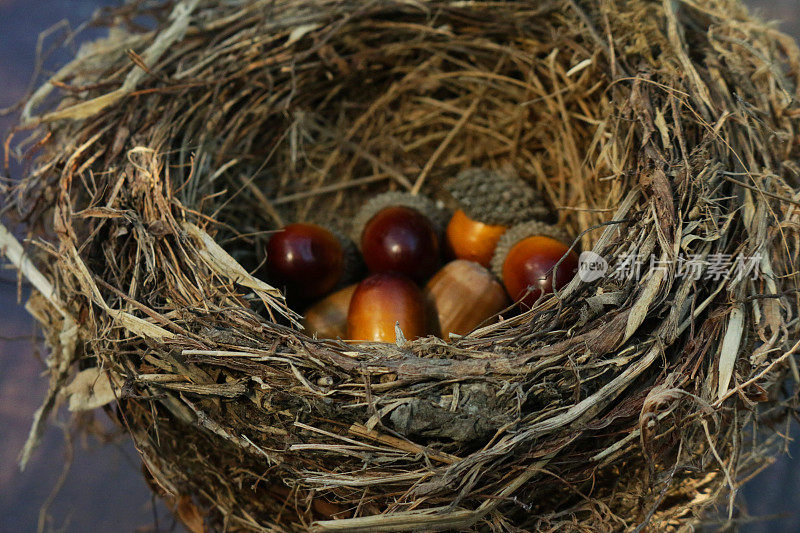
x,y
158,161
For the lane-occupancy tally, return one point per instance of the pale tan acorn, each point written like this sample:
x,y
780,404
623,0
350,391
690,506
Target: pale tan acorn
x,y
327,319
464,295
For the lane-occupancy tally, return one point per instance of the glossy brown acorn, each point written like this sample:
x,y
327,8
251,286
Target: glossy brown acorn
x,y
401,239
530,267
464,294
305,259
327,319
382,300
473,240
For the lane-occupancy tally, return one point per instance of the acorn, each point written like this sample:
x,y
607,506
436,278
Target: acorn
x,y
472,240
327,319
400,232
308,260
526,259
464,295
381,301
489,202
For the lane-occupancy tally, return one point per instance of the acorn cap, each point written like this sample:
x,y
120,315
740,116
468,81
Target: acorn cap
x,y
353,265
439,217
523,231
496,198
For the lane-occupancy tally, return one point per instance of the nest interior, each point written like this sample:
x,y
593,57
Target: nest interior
x,y
159,160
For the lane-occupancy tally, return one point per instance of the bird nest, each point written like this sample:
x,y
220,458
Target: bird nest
x,y
642,394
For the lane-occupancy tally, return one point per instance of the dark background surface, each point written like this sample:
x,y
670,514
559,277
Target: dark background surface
x,y
104,489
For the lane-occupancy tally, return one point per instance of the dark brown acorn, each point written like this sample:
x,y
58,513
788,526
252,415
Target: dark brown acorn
x,y
399,232
305,259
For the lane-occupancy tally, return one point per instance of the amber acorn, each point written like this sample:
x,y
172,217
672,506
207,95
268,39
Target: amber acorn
x,y
532,259
381,301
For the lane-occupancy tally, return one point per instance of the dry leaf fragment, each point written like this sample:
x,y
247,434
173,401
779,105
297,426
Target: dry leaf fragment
x,y
730,349
90,389
190,514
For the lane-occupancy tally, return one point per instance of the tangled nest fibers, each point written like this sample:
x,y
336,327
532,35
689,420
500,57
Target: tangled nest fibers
x,y
159,159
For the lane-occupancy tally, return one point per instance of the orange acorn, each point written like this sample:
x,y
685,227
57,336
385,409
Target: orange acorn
x,y
489,202
473,240
381,301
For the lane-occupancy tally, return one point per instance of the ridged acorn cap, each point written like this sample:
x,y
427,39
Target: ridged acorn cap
x,y
438,217
520,232
496,198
